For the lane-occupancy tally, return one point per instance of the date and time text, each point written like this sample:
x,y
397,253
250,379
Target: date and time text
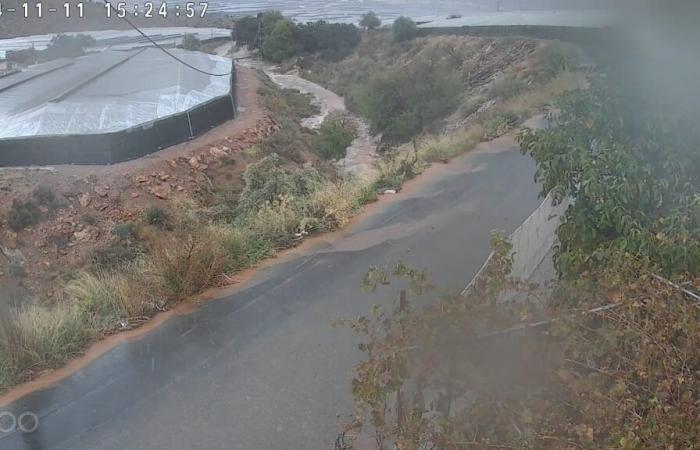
x,y
113,9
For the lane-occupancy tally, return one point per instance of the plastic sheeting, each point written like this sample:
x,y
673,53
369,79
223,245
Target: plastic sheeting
x,y
118,39
107,92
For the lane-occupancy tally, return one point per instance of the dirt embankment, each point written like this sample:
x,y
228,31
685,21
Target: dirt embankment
x,y
92,199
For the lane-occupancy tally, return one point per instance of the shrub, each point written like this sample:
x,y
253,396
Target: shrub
x,y
396,171
402,103
266,182
334,204
370,21
552,58
404,29
46,197
282,42
128,231
156,216
277,223
500,123
336,134
188,262
234,245
124,248
245,31
23,215
507,88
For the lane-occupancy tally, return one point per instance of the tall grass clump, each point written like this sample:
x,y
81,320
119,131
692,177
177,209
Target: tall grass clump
x,y
35,339
445,147
188,262
553,58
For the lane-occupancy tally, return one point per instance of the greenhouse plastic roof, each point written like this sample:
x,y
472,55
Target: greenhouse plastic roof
x,y
117,39
106,92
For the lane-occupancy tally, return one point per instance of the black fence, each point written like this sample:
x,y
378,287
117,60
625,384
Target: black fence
x,y
120,146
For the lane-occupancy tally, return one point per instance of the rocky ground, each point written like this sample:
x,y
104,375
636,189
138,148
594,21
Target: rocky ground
x,y
91,199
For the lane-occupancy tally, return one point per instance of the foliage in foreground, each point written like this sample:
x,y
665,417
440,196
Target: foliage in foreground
x,y
633,177
459,373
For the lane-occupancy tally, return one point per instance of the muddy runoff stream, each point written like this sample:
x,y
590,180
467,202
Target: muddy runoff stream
x,y
361,157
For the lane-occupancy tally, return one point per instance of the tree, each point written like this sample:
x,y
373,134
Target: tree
x,y
281,43
401,103
370,21
404,29
333,40
245,31
269,21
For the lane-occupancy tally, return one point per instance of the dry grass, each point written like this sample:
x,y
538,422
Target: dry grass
x,y
537,98
445,147
41,339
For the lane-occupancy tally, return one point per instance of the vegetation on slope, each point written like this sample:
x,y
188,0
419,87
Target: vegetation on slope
x,y
149,266
618,366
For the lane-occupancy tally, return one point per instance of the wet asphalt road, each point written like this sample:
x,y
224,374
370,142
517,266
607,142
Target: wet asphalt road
x,y
263,368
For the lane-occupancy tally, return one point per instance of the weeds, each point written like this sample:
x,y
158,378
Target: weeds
x,y
156,216
23,215
35,339
500,123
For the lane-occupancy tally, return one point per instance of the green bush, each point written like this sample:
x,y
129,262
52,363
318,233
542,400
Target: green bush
x,y
23,215
267,182
336,134
282,42
401,103
128,231
370,21
46,197
156,216
404,29
499,124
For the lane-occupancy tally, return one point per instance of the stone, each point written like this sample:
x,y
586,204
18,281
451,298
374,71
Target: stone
x,y
82,236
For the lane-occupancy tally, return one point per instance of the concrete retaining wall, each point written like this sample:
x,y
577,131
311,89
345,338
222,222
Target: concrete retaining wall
x,y
533,242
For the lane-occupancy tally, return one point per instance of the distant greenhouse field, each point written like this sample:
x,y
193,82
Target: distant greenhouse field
x,y
588,19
